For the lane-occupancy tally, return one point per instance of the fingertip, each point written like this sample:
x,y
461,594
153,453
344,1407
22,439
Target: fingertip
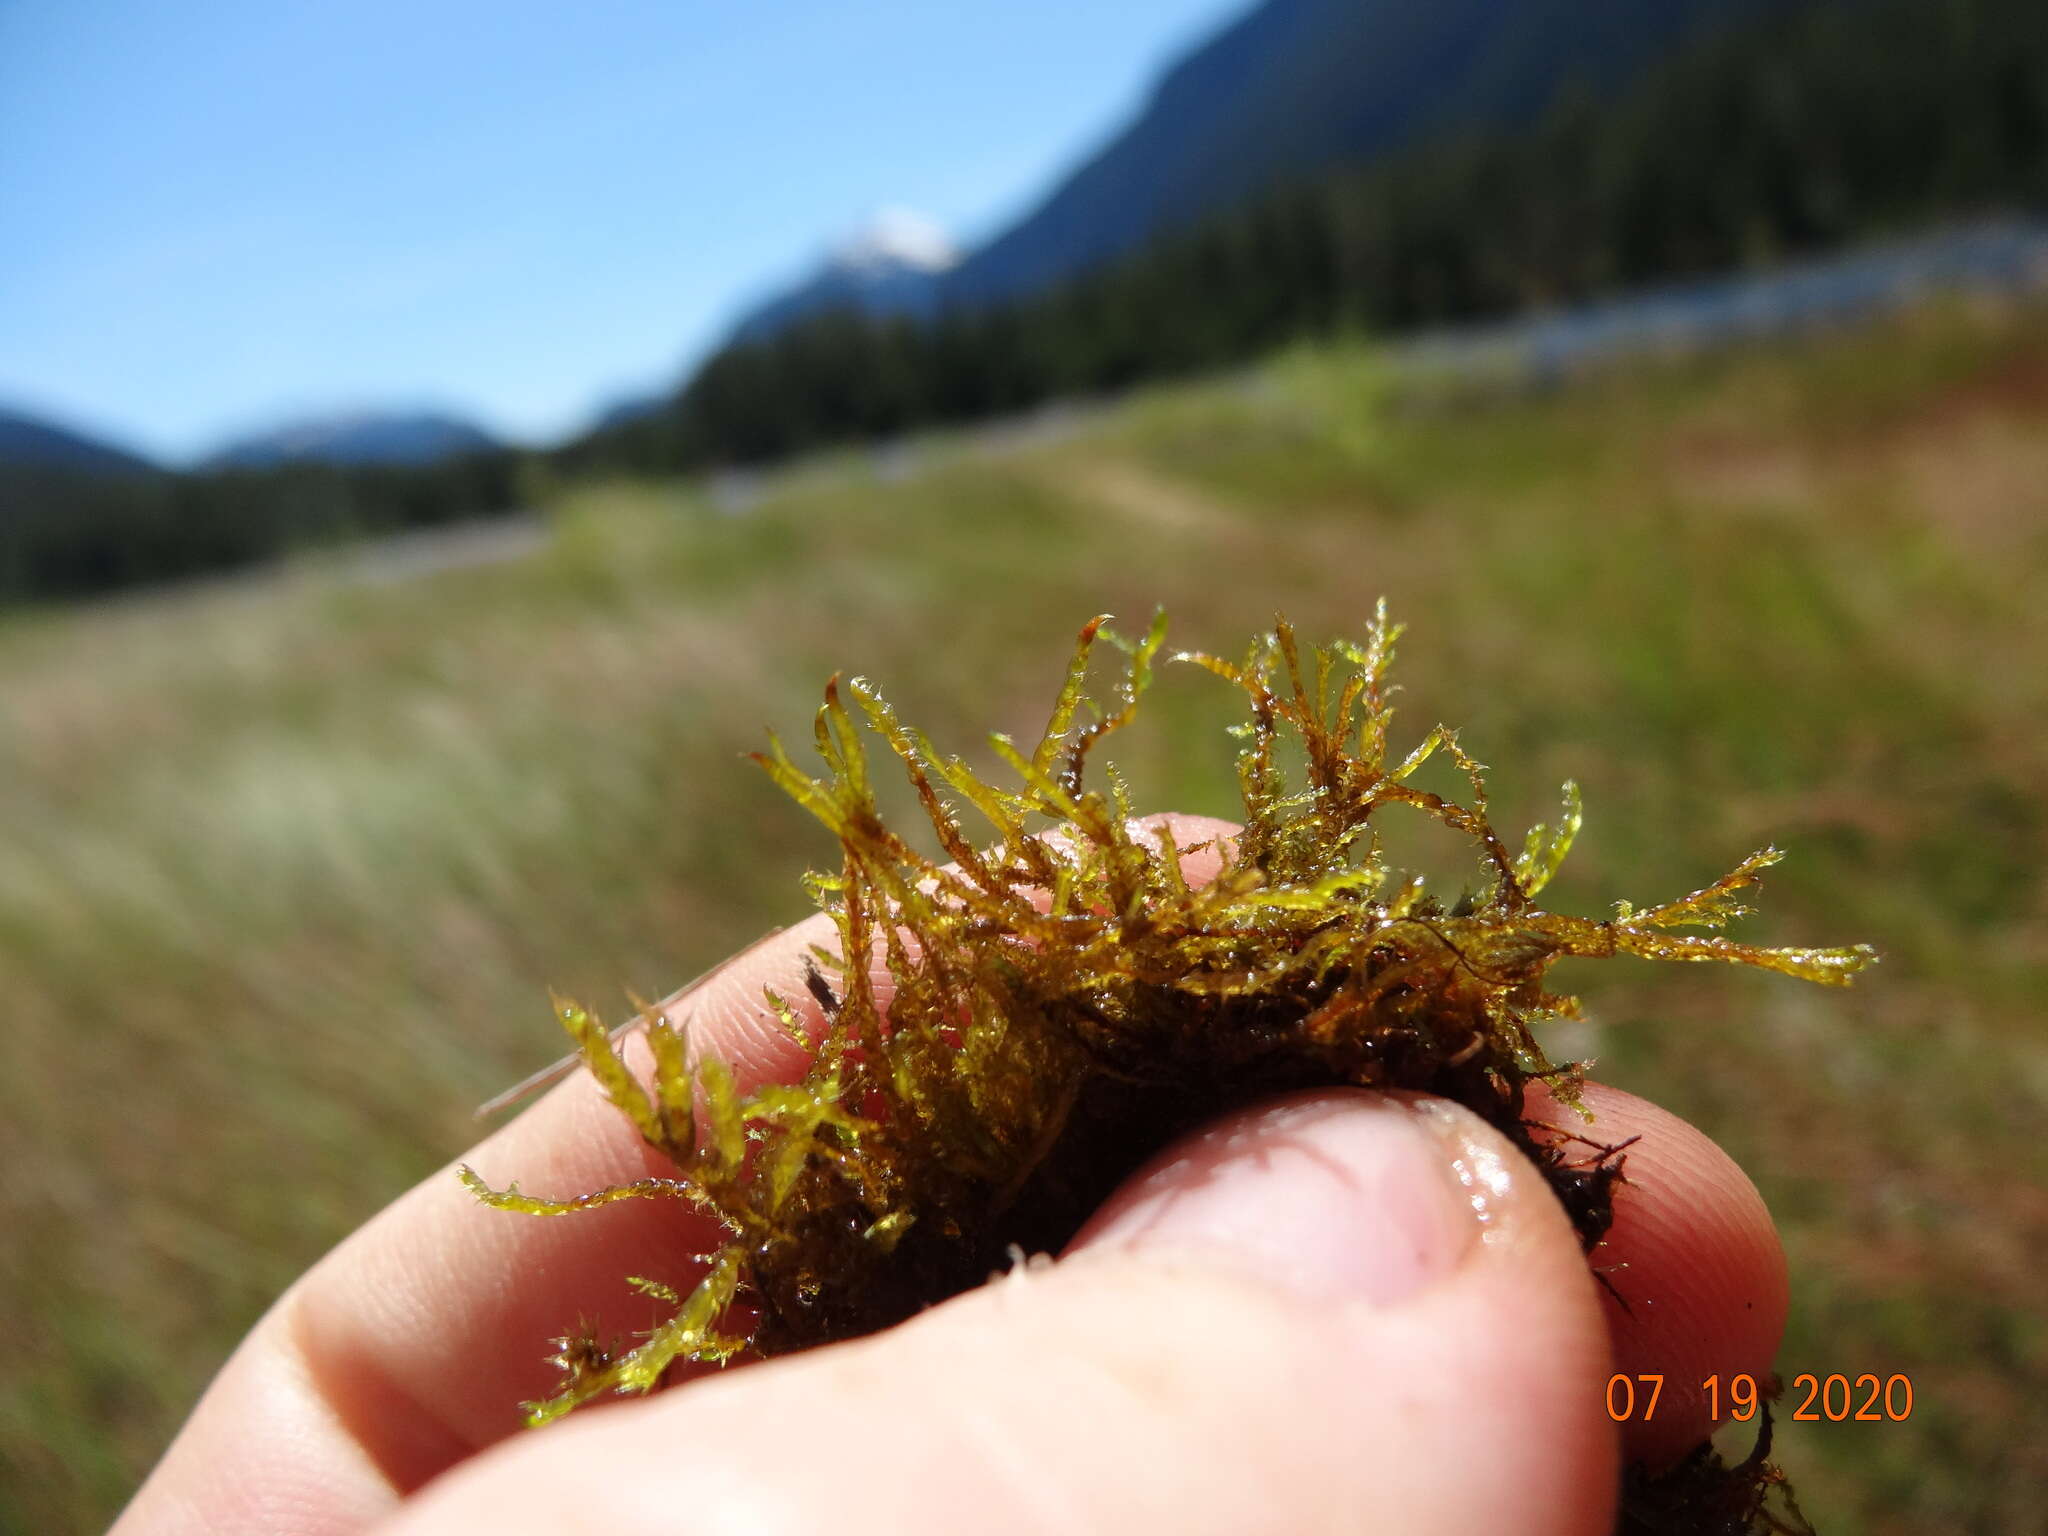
x,y
1459,1344
1697,1283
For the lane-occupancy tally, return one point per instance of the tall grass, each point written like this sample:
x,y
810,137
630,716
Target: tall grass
x,y
286,870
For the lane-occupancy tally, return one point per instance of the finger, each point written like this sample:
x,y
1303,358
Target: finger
x,y
1335,1312
1698,1276
412,1344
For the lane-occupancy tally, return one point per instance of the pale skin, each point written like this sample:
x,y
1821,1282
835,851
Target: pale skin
x,y
1338,1305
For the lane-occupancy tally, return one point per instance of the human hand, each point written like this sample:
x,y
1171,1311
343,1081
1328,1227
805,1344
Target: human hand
x,y
1335,1309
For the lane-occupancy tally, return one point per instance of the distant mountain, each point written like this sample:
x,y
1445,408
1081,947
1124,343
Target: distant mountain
x,y
1298,86
358,438
28,442
628,409
1290,88
892,267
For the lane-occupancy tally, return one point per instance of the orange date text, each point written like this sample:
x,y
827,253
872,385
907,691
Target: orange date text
x,y
1835,1398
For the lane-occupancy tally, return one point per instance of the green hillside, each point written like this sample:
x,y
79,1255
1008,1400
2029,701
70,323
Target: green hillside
x,y
289,866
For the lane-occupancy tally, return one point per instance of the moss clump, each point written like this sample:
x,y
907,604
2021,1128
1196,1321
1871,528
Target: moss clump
x,y
1065,1000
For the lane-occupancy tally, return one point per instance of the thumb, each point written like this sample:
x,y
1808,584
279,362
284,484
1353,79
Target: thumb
x,y
1334,1312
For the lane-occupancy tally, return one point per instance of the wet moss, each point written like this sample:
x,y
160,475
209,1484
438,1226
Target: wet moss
x,y
1065,1001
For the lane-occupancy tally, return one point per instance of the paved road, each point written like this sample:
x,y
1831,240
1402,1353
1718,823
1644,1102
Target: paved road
x,y
2004,256
370,563
401,557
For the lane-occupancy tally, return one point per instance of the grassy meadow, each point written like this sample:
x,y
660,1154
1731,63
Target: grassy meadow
x,y
287,866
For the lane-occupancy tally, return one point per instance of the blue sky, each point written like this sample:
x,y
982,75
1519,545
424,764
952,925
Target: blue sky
x,y
218,213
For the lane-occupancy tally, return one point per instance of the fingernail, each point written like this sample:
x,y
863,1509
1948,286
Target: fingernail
x,y
1345,1195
